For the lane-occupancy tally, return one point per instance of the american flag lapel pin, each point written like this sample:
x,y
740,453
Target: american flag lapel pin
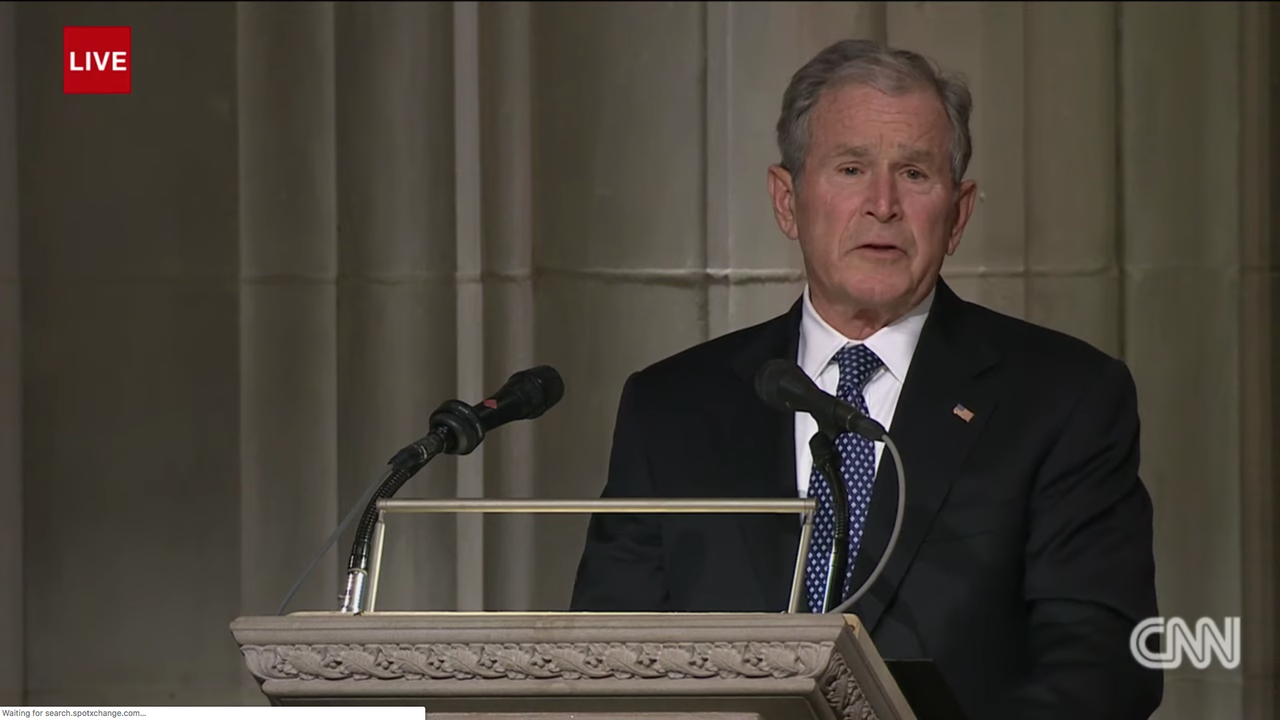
x,y
962,412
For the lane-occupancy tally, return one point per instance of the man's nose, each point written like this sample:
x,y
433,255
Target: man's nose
x,y
882,204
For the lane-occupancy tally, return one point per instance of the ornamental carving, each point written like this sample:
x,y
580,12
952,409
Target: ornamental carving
x,y
549,661
843,693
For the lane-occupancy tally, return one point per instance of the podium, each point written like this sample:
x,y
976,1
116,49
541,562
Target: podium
x,y
562,666
574,666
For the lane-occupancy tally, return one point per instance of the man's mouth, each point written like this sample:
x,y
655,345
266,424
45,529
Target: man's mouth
x,y
879,247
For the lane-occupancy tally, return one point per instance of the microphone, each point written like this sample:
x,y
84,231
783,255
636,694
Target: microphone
x,y
456,429
784,386
460,428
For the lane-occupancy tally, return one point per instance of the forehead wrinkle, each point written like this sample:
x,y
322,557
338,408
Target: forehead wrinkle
x,y
846,107
909,153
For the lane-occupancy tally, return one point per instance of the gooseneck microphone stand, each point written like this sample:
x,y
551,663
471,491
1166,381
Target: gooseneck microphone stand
x,y
899,513
455,429
827,461
358,563
784,386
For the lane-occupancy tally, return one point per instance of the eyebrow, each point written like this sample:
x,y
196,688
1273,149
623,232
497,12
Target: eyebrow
x,y
910,154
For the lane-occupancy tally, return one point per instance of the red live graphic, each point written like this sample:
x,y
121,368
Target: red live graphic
x,y
97,60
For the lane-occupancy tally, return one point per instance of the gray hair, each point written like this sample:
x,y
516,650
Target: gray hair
x,y
890,70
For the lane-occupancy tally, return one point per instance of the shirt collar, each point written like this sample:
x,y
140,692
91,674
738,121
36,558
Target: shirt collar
x,y
894,344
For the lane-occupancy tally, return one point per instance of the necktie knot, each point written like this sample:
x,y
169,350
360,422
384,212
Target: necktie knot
x,y
857,364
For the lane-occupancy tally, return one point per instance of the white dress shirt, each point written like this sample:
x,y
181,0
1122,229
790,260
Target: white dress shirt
x,y
819,342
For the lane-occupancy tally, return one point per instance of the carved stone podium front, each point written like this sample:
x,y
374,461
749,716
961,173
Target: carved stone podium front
x,y
557,666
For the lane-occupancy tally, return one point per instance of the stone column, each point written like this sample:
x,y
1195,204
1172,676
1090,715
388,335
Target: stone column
x,y
396,307
11,515
1069,155
470,349
618,127
130,507
510,459
1259,355
288,303
1181,250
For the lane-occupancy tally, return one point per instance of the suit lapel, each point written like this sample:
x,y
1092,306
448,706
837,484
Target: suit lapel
x,y
765,445
946,371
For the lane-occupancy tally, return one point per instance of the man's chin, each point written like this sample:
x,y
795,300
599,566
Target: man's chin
x,y
891,297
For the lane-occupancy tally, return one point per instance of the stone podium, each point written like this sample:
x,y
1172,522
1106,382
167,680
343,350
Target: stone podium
x,y
572,666
558,666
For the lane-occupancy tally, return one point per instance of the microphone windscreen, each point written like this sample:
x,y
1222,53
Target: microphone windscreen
x,y
770,379
548,386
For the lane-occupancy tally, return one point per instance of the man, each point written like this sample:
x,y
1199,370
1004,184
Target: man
x,y
1025,556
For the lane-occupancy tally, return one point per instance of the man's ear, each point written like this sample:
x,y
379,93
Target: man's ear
x,y
782,191
965,200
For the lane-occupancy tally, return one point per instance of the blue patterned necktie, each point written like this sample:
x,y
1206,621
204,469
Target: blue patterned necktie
x,y
857,467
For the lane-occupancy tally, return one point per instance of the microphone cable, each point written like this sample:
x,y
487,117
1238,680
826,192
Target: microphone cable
x,y
355,512
893,537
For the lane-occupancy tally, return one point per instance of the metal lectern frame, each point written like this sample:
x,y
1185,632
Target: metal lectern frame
x,y
804,508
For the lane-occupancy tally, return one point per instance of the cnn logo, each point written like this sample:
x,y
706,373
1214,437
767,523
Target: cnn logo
x,y
1197,645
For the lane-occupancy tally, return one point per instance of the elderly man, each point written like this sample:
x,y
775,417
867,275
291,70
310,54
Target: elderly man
x,y
1025,556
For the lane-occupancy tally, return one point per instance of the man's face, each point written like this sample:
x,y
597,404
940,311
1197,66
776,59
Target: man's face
x,y
875,211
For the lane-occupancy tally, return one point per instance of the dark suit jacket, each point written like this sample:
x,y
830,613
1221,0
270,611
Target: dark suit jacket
x,y
1025,557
